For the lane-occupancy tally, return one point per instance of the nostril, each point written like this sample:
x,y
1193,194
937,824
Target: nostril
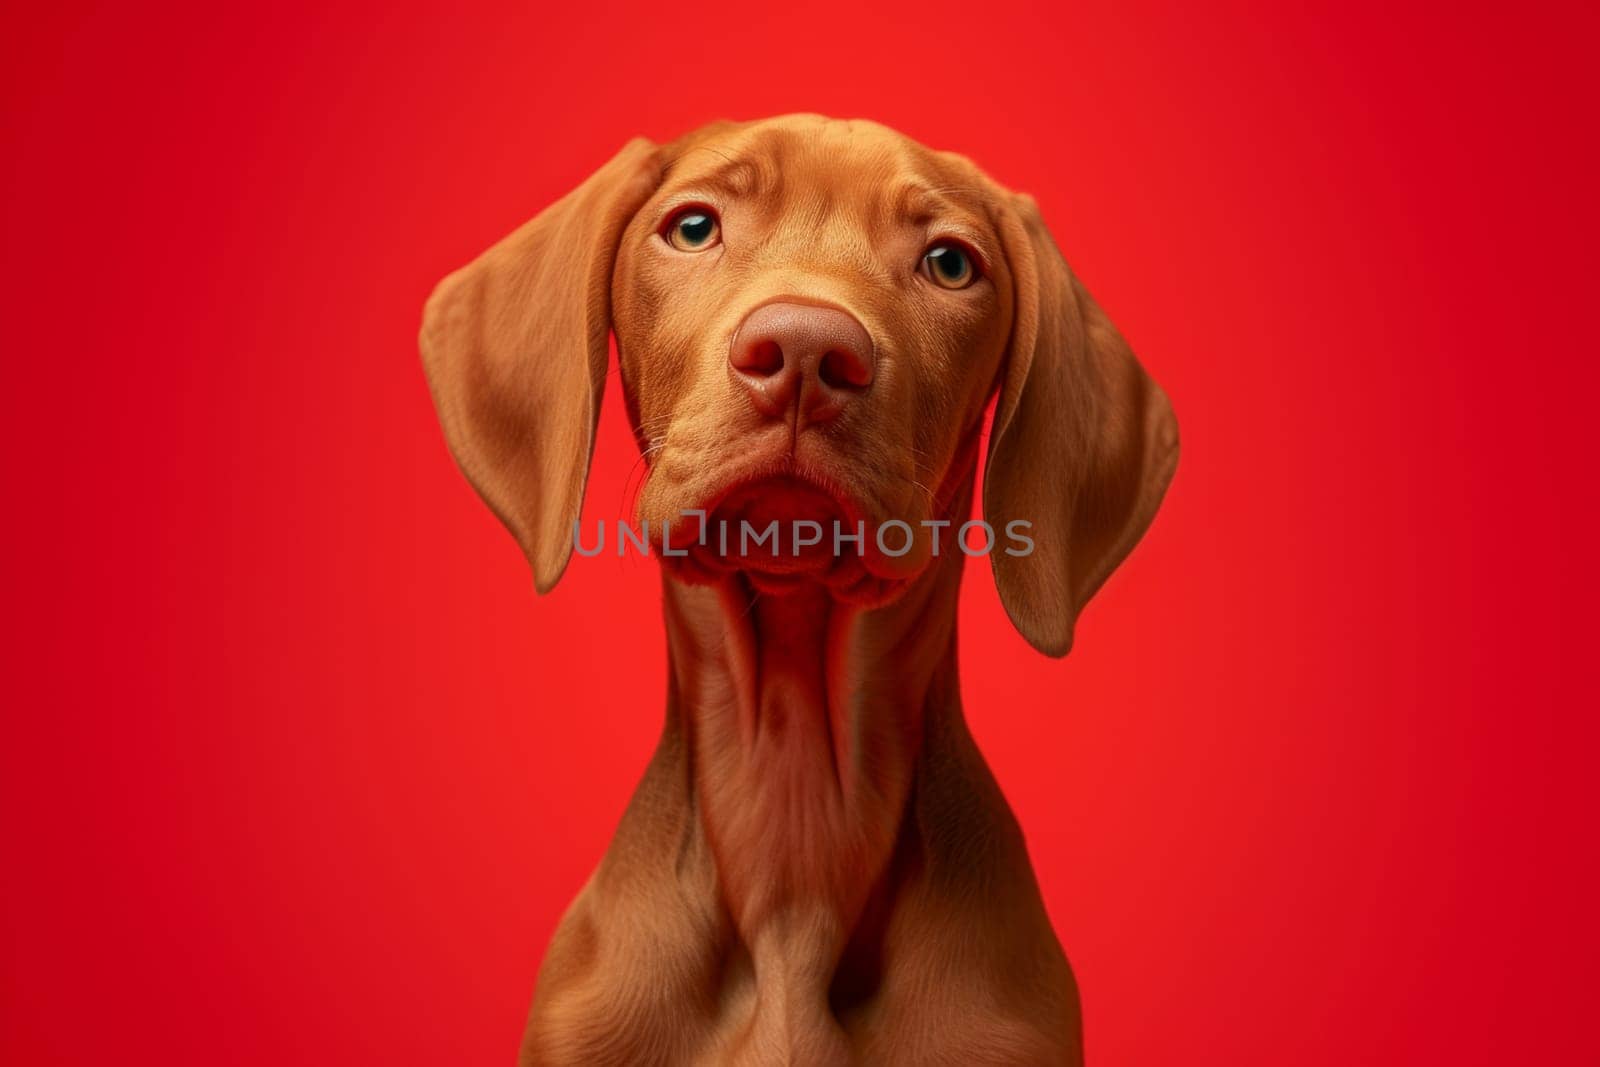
x,y
803,358
762,358
843,369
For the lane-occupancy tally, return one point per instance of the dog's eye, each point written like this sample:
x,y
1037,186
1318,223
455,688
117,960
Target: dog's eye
x,y
693,229
949,265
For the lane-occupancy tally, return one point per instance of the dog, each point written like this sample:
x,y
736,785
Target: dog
x,y
812,317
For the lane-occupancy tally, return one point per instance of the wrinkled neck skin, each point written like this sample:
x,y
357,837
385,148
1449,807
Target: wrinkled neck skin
x,y
804,719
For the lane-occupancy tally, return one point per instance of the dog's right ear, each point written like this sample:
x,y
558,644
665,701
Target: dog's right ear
x,y
515,347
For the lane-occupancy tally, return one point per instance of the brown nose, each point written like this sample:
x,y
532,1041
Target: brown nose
x,y
790,356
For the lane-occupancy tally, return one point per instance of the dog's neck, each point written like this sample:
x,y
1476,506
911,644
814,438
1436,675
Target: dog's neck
x,y
805,719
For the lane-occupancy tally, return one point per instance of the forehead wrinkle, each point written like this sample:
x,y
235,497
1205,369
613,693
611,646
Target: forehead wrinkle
x,y
921,204
733,176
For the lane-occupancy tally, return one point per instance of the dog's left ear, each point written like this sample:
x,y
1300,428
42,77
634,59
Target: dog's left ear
x,y
515,346
1083,445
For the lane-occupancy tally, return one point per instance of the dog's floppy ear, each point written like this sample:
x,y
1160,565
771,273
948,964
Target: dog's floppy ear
x,y
515,346
1083,445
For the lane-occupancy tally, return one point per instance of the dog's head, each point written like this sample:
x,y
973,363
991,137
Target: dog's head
x,y
811,317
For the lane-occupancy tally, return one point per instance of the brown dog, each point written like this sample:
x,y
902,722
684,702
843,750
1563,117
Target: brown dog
x,y
811,317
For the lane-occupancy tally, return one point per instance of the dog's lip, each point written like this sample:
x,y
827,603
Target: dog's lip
x,y
779,476
858,571
851,576
769,503
780,503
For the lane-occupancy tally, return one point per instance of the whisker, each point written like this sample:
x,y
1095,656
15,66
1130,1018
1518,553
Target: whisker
x,y
624,503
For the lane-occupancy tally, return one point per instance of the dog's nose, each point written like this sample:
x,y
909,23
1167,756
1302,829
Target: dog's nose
x,y
818,358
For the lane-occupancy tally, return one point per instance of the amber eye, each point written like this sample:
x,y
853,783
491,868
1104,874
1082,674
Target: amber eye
x,y
949,265
693,229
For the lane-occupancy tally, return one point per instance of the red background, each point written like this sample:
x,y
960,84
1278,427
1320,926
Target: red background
x,y
297,770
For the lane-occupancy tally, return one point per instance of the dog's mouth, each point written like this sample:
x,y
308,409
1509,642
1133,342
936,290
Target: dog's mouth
x,y
782,525
781,532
